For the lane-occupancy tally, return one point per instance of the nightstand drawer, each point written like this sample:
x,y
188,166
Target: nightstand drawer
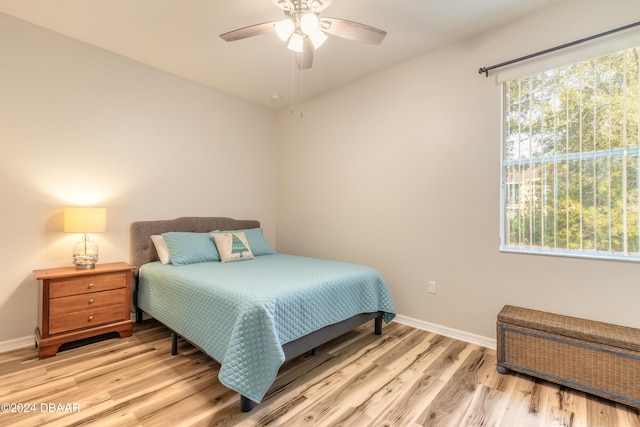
x,y
86,318
81,285
67,305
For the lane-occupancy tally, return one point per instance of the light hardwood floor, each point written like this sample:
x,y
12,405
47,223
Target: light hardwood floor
x,y
406,377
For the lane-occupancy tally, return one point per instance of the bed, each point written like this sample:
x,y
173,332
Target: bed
x,y
249,315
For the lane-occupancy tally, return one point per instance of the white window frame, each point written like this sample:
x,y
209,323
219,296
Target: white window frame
x,y
577,55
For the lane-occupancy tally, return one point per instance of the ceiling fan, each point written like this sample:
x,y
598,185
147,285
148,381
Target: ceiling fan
x,y
305,30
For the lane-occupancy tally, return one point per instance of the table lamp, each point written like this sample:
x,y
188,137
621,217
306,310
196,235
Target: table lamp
x,y
85,220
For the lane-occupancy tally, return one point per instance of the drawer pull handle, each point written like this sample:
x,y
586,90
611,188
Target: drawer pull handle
x,y
90,285
91,301
90,318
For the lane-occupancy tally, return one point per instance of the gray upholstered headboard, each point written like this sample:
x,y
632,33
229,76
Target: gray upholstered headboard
x,y
142,249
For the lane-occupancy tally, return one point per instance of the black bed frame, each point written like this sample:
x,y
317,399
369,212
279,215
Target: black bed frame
x,y
142,251
305,344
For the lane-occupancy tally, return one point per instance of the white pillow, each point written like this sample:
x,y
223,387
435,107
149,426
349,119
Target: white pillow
x,y
232,246
161,248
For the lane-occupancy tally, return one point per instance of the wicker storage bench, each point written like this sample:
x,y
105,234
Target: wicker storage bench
x,y
595,357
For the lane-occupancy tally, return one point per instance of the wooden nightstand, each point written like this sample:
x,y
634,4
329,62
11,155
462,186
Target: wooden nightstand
x,y
76,304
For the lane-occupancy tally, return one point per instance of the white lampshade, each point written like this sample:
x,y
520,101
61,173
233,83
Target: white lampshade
x,y
317,38
84,220
285,28
309,23
296,43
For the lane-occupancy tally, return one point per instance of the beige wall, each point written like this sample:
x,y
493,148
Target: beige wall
x,y
401,171
81,125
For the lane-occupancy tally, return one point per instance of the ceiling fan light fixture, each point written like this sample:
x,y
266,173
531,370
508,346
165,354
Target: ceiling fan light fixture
x,y
318,38
284,29
303,30
296,43
309,23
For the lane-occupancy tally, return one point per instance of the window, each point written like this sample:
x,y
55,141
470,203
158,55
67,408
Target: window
x,y
570,164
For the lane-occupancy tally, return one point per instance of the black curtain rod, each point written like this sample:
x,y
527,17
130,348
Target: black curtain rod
x,y
486,70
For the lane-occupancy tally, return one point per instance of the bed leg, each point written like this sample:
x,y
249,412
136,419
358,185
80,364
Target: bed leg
x,y
378,325
246,404
174,343
135,304
313,351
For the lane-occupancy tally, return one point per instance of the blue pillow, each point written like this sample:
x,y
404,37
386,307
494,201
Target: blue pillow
x,y
256,240
190,248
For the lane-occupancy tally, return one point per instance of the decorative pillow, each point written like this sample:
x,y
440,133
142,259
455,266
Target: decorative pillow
x,y
161,248
232,246
190,248
257,242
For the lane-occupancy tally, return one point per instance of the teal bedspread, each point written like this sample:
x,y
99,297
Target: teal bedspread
x,y
241,313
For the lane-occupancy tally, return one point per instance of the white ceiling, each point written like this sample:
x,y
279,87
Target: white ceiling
x,y
182,37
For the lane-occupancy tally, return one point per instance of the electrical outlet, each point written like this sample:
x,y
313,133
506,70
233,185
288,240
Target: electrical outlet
x,y
432,287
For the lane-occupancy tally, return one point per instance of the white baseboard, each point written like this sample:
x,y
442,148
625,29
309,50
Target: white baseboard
x,y
447,332
29,341
17,344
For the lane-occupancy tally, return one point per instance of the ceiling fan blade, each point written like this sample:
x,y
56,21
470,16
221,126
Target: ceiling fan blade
x,y
250,31
305,58
352,30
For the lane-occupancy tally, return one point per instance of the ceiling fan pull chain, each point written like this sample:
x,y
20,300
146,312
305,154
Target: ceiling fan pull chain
x,y
301,92
293,84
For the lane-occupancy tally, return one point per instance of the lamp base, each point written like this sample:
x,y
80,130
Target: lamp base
x,y
85,254
85,266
